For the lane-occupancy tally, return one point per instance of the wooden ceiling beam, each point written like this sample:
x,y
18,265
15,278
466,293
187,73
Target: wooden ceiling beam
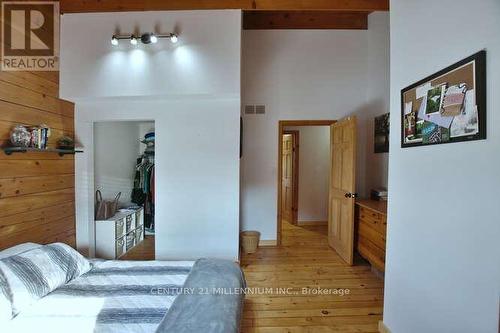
x,y
333,5
258,20
85,6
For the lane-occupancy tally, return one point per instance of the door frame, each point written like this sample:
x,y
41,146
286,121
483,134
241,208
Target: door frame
x,y
281,130
295,173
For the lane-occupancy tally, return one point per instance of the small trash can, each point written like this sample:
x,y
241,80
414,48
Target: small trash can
x,y
250,241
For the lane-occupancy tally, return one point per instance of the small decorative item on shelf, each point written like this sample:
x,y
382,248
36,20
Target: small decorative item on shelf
x,y
30,137
20,136
65,142
39,136
35,139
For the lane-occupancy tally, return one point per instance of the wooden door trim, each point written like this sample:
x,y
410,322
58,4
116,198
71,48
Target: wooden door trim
x,y
281,130
295,174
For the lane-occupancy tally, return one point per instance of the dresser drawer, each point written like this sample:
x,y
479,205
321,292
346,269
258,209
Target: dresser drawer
x,y
376,220
372,253
371,224
367,231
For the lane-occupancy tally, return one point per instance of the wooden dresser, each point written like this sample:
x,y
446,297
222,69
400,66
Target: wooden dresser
x,y
371,228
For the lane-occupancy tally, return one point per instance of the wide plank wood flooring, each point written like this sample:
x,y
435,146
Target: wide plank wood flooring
x,y
306,261
303,261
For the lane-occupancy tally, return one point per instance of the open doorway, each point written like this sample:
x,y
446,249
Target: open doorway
x,y
303,169
316,187
124,183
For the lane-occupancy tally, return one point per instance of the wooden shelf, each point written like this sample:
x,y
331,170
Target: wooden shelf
x,y
61,152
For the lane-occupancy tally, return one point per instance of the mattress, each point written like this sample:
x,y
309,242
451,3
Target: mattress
x,y
115,296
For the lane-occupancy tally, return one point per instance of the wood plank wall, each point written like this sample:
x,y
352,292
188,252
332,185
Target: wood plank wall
x,y
37,190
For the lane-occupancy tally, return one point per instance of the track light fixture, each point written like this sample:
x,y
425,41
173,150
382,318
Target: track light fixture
x,y
146,38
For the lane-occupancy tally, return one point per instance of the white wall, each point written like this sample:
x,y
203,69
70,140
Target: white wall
x,y
203,63
314,169
192,92
443,252
305,74
116,150
376,172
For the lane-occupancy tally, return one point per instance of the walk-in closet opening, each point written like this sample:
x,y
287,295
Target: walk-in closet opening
x,y
124,186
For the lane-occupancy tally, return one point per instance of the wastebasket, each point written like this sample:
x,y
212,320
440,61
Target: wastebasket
x,y
250,241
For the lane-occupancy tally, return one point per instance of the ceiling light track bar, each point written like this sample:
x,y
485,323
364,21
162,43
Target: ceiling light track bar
x,y
146,38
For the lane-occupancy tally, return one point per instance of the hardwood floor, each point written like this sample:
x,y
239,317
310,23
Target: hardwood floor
x,y
303,261
143,251
306,261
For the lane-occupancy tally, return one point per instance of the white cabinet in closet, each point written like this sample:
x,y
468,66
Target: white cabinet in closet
x,y
119,234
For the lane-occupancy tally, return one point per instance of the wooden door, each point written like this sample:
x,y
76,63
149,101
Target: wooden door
x,y
287,178
342,188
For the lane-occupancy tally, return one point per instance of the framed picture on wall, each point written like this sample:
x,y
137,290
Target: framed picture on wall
x,y
448,106
381,132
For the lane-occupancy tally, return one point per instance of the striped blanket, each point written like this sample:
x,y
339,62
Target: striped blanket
x,y
114,296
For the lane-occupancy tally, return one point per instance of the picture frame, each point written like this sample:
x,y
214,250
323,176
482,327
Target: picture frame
x,y
381,134
446,107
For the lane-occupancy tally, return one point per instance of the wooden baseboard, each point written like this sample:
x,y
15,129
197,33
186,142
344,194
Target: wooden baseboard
x,y
306,223
271,242
382,328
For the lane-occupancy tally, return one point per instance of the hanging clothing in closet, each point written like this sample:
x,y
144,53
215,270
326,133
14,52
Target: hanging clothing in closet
x,y
143,192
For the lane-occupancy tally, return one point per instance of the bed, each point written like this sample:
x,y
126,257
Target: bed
x,y
117,296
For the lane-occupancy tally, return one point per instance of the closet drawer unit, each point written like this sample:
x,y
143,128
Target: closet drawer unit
x,y
130,240
139,235
119,228
120,247
130,222
117,235
139,217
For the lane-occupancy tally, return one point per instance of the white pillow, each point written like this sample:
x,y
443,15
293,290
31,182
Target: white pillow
x,y
18,249
33,274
